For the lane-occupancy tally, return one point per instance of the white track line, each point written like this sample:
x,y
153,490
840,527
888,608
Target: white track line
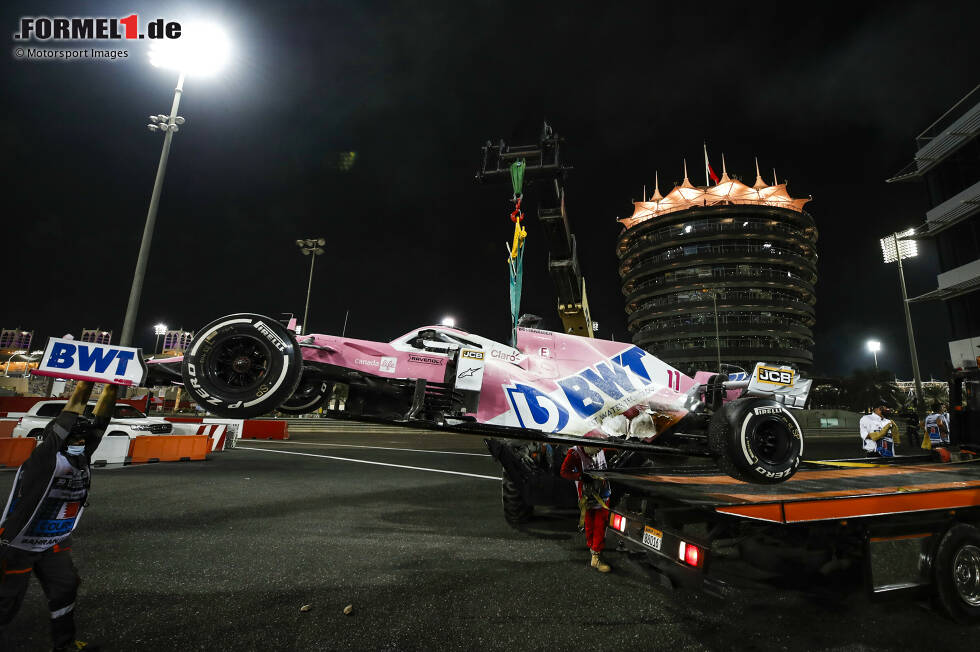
x,y
348,459
382,448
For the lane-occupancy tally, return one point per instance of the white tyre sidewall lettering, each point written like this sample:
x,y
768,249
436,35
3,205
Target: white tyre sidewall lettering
x,y
750,458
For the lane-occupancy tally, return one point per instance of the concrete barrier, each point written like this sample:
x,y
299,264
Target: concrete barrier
x,y
265,429
216,433
111,450
15,451
168,448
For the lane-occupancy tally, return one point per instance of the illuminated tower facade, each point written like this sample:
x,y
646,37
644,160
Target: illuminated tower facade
x,y
744,255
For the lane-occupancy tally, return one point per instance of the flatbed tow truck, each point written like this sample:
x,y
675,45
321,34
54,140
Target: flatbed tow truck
x,y
904,527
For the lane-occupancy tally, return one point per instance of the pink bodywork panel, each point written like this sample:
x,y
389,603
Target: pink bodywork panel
x,y
551,381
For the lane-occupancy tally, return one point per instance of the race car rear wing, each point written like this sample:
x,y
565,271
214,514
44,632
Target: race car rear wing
x,y
780,383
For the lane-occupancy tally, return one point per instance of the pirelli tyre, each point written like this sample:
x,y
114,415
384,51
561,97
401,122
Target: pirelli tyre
x,y
242,366
310,394
956,573
756,440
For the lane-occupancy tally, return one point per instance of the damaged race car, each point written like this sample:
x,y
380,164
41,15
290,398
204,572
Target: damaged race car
x,y
551,387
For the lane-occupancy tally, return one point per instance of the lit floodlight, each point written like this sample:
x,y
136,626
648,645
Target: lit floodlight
x,y
160,329
874,346
179,120
449,321
906,248
152,127
202,49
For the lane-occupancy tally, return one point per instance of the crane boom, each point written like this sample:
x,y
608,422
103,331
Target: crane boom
x,y
543,163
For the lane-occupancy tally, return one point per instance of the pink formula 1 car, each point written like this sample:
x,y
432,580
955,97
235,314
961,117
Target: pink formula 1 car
x,y
561,388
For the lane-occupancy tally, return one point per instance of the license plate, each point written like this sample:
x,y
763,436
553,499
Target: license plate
x,y
652,537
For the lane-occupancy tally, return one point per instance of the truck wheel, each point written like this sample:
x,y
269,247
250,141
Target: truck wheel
x,y
242,366
310,394
956,573
516,510
757,440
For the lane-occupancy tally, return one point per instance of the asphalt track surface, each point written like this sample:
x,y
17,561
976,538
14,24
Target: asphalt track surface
x,y
407,528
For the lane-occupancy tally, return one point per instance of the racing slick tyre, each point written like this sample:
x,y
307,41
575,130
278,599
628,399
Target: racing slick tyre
x,y
311,392
956,573
516,509
756,440
241,366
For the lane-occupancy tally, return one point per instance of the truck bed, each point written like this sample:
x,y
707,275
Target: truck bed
x,y
820,491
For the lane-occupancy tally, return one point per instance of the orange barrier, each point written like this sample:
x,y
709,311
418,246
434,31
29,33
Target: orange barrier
x,y
168,448
14,452
265,429
7,428
184,419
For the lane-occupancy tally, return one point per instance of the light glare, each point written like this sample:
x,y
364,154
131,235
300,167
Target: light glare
x,y
449,321
202,49
874,346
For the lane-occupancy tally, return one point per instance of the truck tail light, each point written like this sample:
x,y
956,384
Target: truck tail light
x,y
689,553
618,522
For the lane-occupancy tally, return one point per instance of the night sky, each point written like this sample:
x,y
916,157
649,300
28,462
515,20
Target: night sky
x,y
831,98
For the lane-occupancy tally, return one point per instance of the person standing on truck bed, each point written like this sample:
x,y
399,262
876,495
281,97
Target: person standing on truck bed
x,y
878,433
593,498
937,426
49,494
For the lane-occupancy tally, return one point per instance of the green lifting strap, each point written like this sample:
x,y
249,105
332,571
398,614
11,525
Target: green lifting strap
x,y
516,283
517,176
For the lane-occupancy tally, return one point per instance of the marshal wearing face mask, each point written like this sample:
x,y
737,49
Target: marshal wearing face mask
x,y
49,494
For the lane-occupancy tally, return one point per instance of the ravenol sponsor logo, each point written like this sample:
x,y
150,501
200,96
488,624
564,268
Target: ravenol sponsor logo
x,y
597,391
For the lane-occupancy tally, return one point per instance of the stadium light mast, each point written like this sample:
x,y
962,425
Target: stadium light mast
x,y
201,50
874,346
311,247
893,249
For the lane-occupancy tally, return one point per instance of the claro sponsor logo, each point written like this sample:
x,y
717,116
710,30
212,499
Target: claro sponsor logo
x,y
506,356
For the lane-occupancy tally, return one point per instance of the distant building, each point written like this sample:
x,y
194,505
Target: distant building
x,y
15,338
96,335
947,159
744,254
177,340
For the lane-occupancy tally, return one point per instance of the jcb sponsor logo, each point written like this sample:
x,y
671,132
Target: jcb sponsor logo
x,y
472,355
775,376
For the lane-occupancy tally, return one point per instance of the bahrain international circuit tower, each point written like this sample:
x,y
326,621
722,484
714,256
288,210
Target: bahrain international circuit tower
x,y
721,271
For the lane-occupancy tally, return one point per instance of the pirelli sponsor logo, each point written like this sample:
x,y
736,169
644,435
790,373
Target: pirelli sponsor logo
x,y
424,359
775,376
472,355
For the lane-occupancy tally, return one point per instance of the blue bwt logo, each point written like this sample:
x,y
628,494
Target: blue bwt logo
x,y
89,358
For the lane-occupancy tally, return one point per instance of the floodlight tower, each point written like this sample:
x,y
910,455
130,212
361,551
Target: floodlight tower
x,y
201,50
874,346
158,330
311,247
894,248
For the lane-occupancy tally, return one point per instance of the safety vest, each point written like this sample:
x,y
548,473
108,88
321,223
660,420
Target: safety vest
x,y
932,428
58,511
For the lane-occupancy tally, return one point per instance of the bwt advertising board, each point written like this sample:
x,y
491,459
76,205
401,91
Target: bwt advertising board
x,y
99,363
